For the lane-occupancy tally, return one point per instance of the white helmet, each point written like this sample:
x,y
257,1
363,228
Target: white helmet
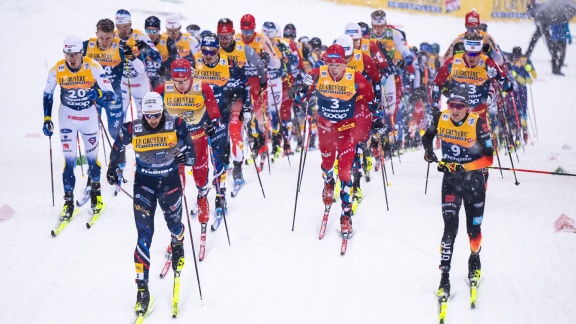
x,y
269,29
173,21
353,30
152,102
72,44
346,42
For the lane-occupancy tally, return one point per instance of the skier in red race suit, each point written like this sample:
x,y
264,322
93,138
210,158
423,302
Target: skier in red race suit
x,y
344,121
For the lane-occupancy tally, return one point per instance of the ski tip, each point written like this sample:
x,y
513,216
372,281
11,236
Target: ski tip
x,y
88,225
52,233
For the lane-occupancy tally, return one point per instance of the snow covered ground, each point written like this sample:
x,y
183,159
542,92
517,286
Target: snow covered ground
x,y
270,274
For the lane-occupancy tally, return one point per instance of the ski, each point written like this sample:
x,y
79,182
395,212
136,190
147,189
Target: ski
x,y
237,186
324,221
442,305
202,252
84,198
218,219
168,262
344,245
194,211
95,217
176,290
140,317
473,291
63,222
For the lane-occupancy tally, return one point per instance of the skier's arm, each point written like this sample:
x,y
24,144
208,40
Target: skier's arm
x,y
210,101
49,92
255,60
486,148
122,140
431,132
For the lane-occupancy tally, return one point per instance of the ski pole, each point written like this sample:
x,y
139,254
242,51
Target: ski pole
x,y
533,111
507,139
427,173
255,167
103,147
217,182
127,64
80,153
494,142
302,163
384,178
51,169
190,231
533,171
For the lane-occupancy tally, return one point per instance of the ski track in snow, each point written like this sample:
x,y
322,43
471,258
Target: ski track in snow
x,y
270,274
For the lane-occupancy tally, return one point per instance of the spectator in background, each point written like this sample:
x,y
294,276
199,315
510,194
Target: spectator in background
x,y
559,36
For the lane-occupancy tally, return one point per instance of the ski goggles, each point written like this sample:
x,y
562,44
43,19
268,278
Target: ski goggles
x,y
472,54
153,31
457,105
225,37
247,32
153,116
209,53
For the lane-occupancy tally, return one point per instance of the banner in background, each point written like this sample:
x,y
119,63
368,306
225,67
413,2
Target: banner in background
x,y
452,5
418,5
509,9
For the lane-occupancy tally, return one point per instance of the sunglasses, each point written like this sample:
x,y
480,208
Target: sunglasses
x,y
457,106
152,31
225,37
153,116
247,32
472,54
209,53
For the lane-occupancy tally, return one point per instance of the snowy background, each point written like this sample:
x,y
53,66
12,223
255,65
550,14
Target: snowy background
x,y
270,274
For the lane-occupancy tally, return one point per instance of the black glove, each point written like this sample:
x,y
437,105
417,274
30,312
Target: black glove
x,y
141,45
507,86
486,48
48,127
400,64
450,167
430,156
212,127
180,157
263,87
162,70
112,175
377,123
127,50
265,57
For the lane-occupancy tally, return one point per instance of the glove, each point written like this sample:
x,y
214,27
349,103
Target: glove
x,y
112,175
386,72
212,127
507,86
486,48
93,94
430,156
162,71
180,157
127,50
308,80
141,45
246,115
109,96
377,124
450,167
48,127
263,87
265,57
400,64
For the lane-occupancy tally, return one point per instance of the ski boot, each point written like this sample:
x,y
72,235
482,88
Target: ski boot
x,y
237,173
203,206
312,143
276,151
346,224
474,268
287,149
328,191
221,202
96,197
142,299
444,288
177,254
68,209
